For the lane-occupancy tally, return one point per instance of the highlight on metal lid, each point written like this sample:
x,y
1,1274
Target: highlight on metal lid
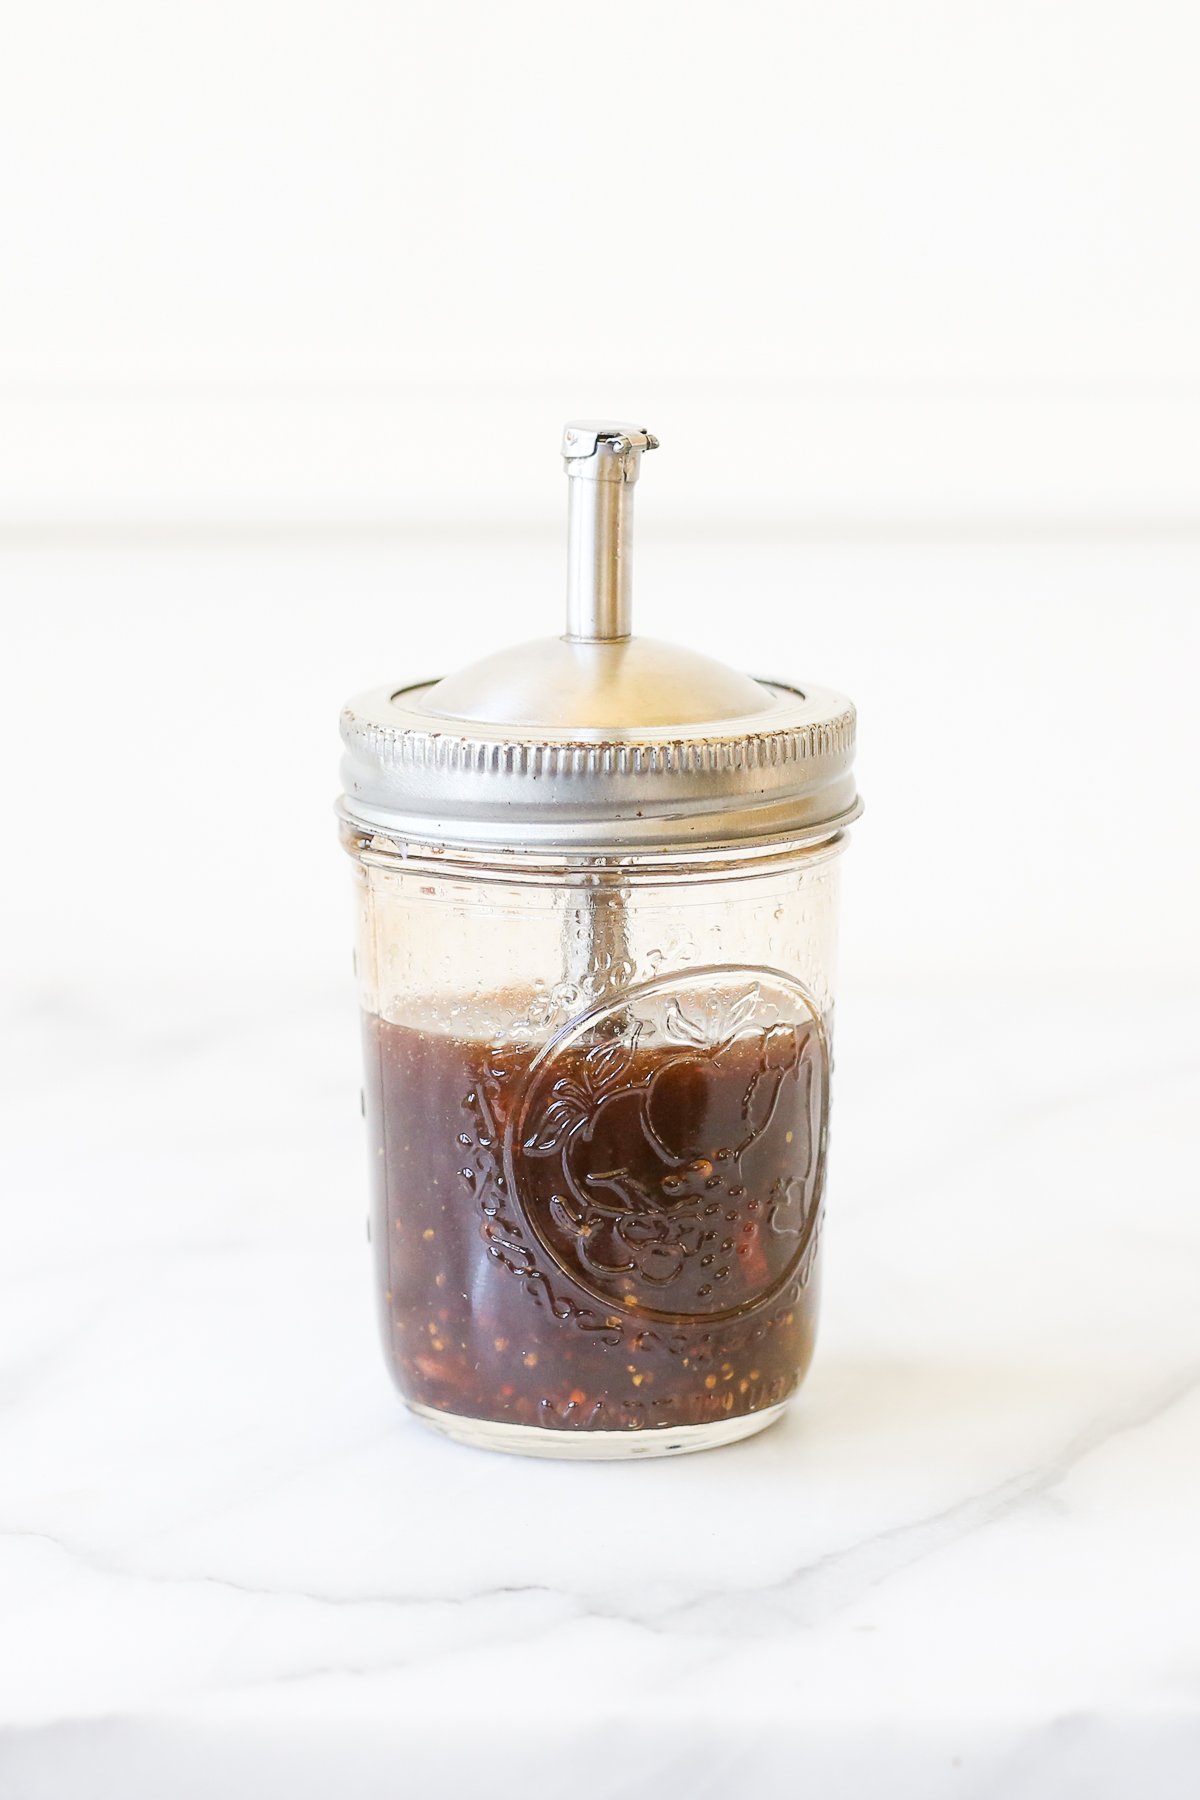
x,y
600,740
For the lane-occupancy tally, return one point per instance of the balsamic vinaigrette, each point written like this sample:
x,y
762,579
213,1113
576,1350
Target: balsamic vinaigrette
x,y
615,1236
597,921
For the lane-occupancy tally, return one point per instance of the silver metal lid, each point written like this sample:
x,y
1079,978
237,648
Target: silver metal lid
x,y
598,740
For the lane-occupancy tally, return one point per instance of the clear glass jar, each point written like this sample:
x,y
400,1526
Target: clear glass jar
x,y
597,909
597,1108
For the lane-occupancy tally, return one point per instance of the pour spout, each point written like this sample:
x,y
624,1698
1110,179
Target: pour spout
x,y
602,460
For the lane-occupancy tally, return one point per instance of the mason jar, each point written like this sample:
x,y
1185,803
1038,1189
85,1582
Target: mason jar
x,y
597,914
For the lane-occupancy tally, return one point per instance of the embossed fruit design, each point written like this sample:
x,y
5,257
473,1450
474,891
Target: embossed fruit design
x,y
613,1228
676,1170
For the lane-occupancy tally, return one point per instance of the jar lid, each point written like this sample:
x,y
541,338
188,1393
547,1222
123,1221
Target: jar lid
x,y
599,740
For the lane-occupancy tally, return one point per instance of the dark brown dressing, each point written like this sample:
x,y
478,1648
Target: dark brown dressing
x,y
612,1235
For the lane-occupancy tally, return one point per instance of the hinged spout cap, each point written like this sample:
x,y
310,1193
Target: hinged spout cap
x,y
584,438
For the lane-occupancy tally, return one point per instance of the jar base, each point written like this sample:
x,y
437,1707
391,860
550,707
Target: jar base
x,y
593,1446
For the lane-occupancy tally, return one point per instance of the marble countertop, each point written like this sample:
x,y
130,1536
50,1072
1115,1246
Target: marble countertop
x,y
965,1564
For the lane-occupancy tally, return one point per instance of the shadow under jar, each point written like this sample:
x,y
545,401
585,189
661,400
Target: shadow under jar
x,y
597,921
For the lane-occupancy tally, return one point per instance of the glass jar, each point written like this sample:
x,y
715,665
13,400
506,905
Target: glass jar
x,y
596,959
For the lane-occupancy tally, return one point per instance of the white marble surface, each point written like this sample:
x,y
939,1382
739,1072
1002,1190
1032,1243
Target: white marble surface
x,y
966,1564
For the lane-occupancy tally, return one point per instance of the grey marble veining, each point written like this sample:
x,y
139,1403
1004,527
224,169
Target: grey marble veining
x,y
964,1564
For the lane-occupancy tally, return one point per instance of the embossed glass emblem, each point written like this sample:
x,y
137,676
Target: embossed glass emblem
x,y
667,1151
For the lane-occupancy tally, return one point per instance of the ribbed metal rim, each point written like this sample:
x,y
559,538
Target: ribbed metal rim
x,y
441,752
788,775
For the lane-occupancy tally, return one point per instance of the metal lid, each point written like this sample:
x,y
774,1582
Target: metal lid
x,y
598,740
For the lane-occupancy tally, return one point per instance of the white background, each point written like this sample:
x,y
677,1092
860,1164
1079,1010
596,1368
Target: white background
x,y
296,298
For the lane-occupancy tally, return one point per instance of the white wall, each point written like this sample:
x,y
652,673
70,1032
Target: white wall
x,y
316,190
293,299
